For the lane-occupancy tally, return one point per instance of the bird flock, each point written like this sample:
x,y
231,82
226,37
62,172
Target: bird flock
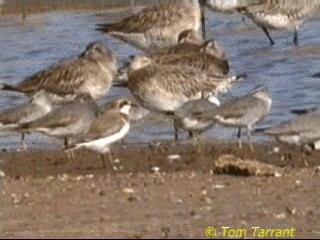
x,y
181,75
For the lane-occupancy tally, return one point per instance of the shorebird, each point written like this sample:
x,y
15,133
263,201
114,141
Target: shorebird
x,y
157,26
91,72
37,106
111,126
165,88
241,112
184,119
190,51
278,17
67,121
300,131
208,57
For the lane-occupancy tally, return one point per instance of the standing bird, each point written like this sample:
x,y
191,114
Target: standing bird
x,y
299,132
165,88
37,106
157,26
242,112
91,72
184,119
111,126
278,17
190,51
70,120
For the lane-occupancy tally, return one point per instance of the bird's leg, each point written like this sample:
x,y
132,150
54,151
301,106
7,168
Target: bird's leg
x,y
191,135
103,160
71,154
295,37
203,20
249,138
239,138
111,160
268,35
23,143
176,134
66,143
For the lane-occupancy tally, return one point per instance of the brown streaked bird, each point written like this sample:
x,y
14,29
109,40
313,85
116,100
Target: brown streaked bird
x,y
111,126
37,106
91,72
167,87
157,26
279,16
191,51
67,121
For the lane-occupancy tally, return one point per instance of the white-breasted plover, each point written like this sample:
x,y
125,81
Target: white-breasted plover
x,y
112,125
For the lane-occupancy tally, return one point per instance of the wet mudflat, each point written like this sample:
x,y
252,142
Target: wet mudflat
x,y
168,189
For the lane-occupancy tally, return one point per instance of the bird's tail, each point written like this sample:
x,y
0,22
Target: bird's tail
x,y
262,130
238,78
104,27
120,83
6,87
303,111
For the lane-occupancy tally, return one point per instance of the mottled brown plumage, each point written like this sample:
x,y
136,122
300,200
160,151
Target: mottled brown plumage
x,y
91,72
167,87
156,26
279,16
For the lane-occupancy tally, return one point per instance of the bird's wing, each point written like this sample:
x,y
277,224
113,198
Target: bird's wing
x,y
16,115
60,117
62,78
107,124
305,123
149,17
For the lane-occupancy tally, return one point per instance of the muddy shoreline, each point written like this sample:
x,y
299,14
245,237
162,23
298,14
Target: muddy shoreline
x,y
167,190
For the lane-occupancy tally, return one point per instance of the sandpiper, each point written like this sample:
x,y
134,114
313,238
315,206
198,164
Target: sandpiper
x,y
184,119
66,121
278,17
91,72
191,51
167,87
241,112
157,26
210,57
300,131
111,126
37,106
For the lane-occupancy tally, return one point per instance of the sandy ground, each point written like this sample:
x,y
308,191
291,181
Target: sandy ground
x,y
159,191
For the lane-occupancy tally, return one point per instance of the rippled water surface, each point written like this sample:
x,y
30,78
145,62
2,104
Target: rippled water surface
x,y
40,40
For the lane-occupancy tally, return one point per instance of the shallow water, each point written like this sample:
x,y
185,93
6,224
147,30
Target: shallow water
x,y
40,40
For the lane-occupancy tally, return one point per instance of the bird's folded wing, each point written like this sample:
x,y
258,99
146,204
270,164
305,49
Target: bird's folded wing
x,y
106,125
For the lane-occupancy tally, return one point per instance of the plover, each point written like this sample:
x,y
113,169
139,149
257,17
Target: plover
x,y
184,119
157,26
67,121
111,126
167,87
278,17
37,106
91,72
241,112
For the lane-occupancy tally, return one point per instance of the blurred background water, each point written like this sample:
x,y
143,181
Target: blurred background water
x,y
31,42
